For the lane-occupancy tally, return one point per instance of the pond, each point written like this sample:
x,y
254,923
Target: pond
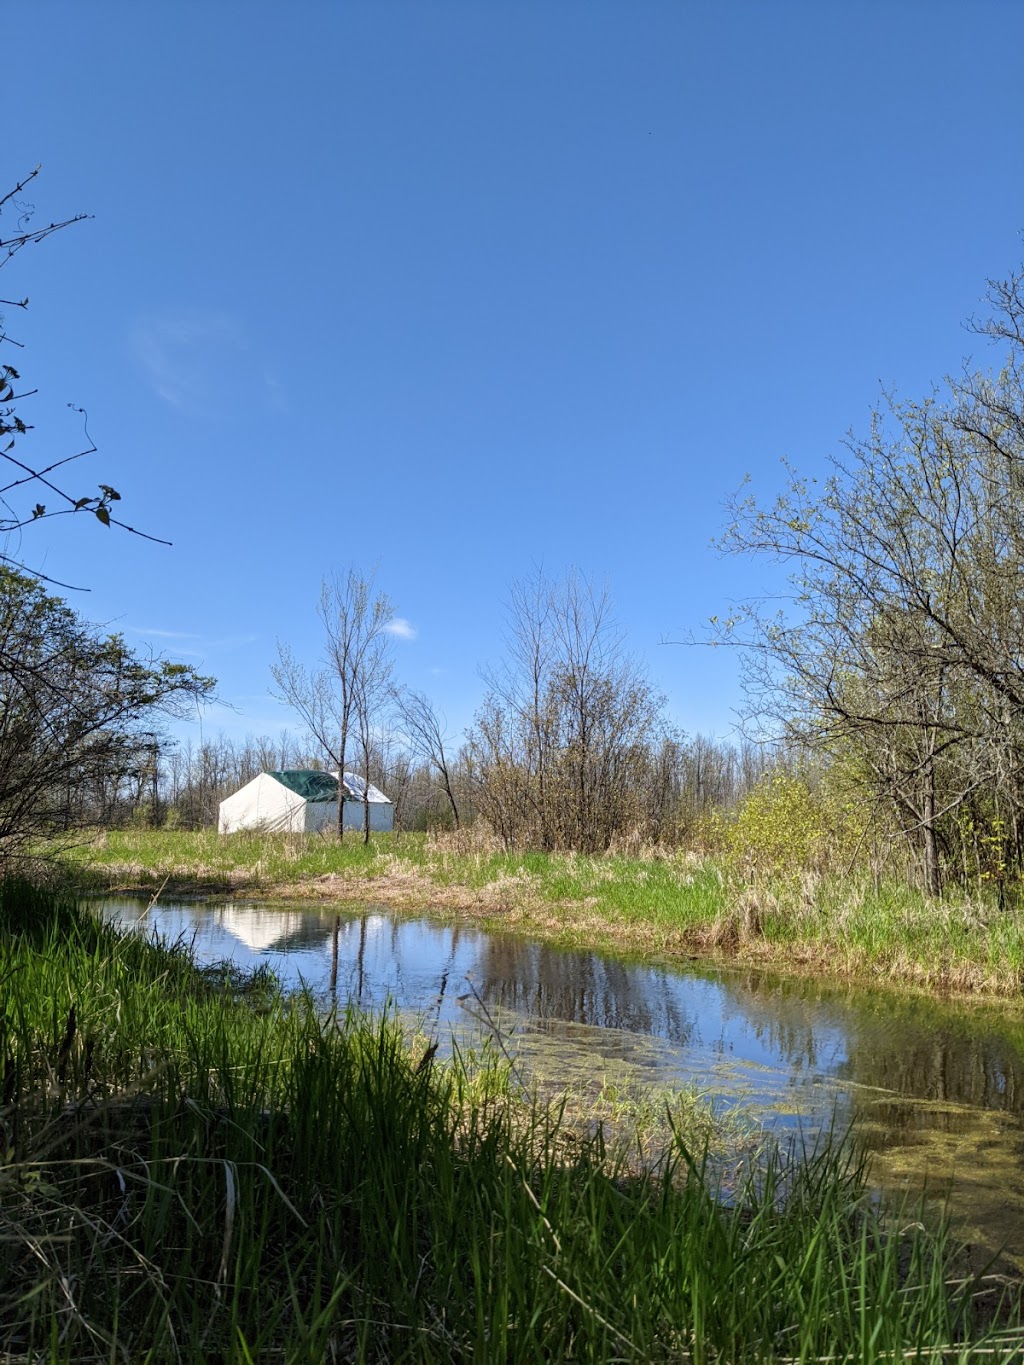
x,y
935,1087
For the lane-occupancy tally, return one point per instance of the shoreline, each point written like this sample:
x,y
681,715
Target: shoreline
x,y
734,940
273,1160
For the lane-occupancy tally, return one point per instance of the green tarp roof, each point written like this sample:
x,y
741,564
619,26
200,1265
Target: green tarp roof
x,y
308,783
313,785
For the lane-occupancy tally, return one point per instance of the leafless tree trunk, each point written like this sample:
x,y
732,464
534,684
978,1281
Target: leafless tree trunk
x,y
426,735
372,690
345,692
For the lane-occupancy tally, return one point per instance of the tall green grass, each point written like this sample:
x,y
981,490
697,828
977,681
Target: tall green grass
x,y
192,1172
662,903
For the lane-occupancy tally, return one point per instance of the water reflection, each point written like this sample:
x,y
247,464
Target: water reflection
x,y
932,1086
539,983
937,1051
878,1045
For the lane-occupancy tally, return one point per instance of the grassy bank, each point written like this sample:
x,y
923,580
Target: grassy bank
x,y
192,1168
655,905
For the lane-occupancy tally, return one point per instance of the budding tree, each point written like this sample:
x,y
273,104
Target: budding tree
x,y
77,708
341,701
562,747
901,644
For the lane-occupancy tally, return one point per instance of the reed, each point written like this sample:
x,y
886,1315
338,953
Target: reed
x,y
195,1169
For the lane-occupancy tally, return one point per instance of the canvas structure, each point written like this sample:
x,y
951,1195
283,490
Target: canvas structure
x,y
302,801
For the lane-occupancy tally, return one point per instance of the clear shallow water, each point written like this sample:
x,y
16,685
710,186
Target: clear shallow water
x,y
936,1088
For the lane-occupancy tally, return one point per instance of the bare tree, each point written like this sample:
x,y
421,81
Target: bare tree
x,y
342,698
372,690
427,737
561,750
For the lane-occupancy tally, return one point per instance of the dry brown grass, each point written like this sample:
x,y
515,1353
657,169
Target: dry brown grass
x,y
670,905
477,838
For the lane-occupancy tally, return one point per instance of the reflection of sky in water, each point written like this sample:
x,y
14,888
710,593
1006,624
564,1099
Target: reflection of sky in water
x,y
788,1046
934,1088
671,1026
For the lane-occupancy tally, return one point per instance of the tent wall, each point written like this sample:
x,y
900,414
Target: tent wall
x,y
324,815
320,815
267,804
382,816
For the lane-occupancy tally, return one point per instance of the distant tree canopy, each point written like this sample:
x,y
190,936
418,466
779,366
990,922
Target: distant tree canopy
x,y
78,710
901,656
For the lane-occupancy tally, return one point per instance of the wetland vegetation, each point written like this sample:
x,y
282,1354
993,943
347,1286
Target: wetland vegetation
x,y
656,902
196,1167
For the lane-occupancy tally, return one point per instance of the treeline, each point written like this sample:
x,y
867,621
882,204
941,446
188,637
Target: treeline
x,y
182,786
571,748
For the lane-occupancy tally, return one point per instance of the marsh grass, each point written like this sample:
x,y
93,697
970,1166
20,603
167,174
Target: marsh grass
x,y
184,1176
655,903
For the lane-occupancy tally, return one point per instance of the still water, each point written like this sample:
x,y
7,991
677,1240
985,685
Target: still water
x,y
936,1088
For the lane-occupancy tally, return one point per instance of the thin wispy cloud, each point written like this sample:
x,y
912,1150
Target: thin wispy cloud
x,y
401,628
202,362
164,634
201,644
276,397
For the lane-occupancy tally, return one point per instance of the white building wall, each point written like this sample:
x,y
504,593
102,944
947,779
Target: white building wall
x,y
322,815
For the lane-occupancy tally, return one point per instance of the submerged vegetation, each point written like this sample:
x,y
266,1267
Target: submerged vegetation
x,y
185,1176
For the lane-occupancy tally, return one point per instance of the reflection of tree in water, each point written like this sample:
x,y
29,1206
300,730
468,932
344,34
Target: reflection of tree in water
x,y
382,960
582,988
890,1049
917,1048
786,1017
936,1056
352,931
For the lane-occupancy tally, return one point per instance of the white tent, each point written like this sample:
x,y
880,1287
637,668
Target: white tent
x,y
302,801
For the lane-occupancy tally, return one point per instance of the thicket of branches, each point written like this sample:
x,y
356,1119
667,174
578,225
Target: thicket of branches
x,y
79,714
900,660
569,745
180,785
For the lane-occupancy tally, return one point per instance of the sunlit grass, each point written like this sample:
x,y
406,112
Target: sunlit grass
x,y
185,1176
665,903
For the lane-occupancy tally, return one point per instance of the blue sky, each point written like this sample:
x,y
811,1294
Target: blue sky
x,y
458,290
